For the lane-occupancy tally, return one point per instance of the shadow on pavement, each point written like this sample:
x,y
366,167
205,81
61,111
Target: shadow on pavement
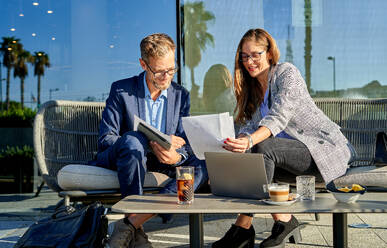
x,y
179,220
15,197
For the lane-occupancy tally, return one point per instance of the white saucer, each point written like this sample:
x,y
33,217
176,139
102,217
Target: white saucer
x,y
285,203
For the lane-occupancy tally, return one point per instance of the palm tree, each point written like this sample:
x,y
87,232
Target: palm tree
x,y
195,39
9,48
40,60
21,69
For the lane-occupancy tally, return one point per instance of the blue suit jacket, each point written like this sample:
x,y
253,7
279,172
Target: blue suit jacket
x,y
127,98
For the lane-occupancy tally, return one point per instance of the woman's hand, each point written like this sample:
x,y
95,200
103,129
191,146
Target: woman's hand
x,y
240,144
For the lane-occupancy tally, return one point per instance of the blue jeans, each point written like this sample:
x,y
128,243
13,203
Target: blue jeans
x,y
131,157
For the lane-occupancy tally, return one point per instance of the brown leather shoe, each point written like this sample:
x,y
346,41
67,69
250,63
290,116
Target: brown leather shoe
x,y
123,235
142,240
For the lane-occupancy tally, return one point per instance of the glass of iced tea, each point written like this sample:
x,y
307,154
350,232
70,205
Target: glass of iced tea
x,y
278,192
185,184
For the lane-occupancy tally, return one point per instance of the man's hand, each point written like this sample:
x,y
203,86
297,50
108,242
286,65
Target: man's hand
x,y
177,142
165,156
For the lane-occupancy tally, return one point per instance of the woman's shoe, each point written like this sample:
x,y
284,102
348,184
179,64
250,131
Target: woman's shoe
x,y
237,237
281,232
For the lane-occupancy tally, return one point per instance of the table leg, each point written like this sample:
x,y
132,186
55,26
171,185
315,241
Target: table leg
x,y
196,230
340,230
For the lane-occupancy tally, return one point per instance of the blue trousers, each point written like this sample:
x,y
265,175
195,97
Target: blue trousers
x,y
131,157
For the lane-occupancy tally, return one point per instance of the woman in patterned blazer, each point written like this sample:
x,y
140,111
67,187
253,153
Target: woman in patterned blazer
x,y
280,120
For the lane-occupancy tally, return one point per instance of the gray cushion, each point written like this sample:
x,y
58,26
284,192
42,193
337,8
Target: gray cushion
x,y
85,177
370,176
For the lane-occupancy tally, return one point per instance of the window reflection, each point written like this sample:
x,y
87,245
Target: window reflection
x,y
90,43
218,95
196,39
307,31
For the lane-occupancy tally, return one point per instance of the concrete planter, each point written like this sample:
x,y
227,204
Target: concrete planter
x,y
16,175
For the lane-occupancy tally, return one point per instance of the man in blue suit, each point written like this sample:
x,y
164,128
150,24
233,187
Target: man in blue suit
x,y
160,102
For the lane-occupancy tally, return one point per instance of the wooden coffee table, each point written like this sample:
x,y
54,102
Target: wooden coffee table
x,y
210,204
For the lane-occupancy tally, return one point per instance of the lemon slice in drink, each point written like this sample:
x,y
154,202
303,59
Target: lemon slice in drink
x,y
187,176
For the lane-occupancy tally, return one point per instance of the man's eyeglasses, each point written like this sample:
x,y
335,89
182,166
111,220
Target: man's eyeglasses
x,y
255,56
160,74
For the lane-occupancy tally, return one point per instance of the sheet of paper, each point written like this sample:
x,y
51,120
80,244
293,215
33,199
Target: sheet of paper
x,y
206,133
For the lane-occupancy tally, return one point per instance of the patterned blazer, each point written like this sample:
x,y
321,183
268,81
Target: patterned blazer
x,y
293,110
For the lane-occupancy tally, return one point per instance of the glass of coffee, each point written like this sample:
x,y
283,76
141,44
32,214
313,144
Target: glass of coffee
x,y
185,184
278,192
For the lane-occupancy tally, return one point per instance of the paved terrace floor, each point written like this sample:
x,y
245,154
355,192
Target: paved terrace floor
x,y
18,211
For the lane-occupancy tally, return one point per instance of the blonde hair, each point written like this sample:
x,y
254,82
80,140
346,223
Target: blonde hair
x,y
216,80
156,45
248,90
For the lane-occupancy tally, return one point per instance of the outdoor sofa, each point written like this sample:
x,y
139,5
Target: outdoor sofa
x,y
66,133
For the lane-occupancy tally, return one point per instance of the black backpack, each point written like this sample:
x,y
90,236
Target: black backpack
x,y
69,227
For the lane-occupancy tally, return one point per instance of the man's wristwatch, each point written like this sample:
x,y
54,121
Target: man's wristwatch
x,y
250,141
181,158
178,163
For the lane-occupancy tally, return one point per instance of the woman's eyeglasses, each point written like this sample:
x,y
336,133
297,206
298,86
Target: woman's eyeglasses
x,y
255,56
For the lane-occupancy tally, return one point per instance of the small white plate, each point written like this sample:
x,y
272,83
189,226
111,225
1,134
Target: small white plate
x,y
285,203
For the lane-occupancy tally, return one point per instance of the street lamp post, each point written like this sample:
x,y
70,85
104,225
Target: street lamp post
x,y
53,90
1,86
334,72
104,95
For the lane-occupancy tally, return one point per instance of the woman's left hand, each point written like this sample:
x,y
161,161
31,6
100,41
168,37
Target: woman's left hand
x,y
236,145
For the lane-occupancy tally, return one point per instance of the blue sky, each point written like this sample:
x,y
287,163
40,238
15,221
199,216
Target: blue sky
x,y
94,42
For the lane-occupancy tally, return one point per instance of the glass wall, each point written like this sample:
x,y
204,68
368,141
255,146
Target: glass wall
x,y
339,46
89,43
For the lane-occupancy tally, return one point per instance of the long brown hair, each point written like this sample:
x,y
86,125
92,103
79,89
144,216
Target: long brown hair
x,y
248,90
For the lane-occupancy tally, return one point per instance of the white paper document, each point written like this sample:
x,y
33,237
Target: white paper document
x,y
206,133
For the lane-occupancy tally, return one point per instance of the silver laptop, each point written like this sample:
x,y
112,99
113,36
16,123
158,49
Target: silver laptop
x,y
240,175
